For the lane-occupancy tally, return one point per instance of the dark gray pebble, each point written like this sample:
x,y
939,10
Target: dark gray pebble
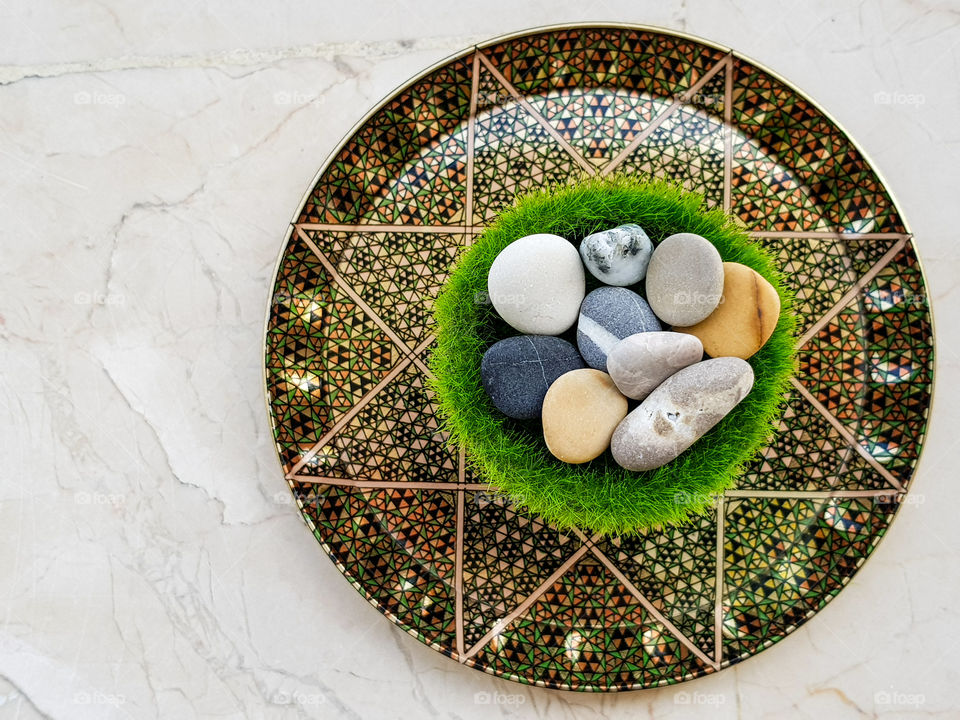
x,y
518,371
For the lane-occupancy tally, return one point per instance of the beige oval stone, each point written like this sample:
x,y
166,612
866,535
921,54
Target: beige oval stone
x,y
745,318
580,412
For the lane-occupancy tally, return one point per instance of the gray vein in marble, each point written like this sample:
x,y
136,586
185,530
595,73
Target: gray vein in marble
x,y
239,58
25,697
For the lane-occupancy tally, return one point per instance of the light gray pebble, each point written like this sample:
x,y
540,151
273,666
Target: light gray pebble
x,y
536,283
679,411
639,363
684,279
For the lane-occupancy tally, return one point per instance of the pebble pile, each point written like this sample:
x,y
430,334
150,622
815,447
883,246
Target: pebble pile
x,y
637,382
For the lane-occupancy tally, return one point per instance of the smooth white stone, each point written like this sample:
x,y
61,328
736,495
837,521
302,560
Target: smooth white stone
x,y
537,283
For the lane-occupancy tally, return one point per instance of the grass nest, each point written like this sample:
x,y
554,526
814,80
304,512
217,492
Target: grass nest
x,y
511,455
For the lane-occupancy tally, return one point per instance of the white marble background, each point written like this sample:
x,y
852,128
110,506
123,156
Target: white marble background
x,y
151,564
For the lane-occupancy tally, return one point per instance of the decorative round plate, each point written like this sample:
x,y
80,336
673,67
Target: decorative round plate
x,y
455,564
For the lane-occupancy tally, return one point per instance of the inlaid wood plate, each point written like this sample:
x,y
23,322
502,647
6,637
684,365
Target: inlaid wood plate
x,y
450,560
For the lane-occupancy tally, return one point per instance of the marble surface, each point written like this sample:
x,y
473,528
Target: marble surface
x,y
152,563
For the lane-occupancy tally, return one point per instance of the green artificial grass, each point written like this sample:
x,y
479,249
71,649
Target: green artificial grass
x,y
511,455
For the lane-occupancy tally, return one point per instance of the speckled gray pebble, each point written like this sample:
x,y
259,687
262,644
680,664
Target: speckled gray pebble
x,y
608,315
618,256
684,279
679,412
641,362
518,371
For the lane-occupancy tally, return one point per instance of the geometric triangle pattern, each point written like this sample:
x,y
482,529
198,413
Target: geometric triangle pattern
x,y
372,547
587,630
769,195
513,152
833,365
396,274
899,353
423,523
808,454
506,556
688,146
395,437
657,64
785,155
821,271
794,168
323,354
861,204
405,517
598,122
675,568
407,164
784,558
872,365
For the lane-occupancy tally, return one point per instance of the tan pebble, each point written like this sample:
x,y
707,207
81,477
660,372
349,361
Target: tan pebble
x,y
745,318
580,412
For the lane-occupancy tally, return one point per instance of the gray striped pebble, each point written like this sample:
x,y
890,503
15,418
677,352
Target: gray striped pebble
x,y
607,315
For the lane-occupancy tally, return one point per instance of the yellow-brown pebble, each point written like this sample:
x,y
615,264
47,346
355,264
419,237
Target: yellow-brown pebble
x,y
745,317
580,412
